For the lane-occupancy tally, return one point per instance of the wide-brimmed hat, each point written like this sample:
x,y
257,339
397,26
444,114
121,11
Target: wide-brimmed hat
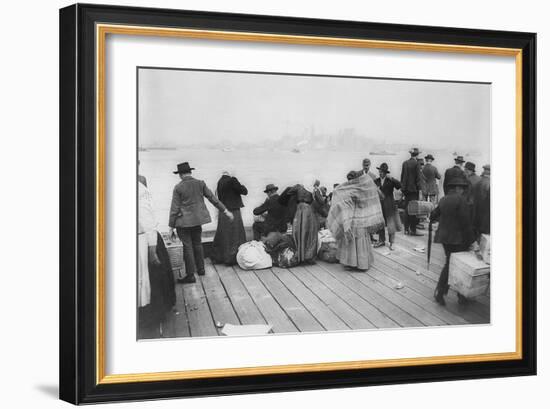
x,y
414,151
459,159
457,181
384,168
183,168
429,156
270,188
487,167
470,166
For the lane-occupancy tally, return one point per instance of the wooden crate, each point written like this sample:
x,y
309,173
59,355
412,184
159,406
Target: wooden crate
x,y
468,275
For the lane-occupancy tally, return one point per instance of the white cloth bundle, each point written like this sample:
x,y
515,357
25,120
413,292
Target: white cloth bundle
x,y
253,256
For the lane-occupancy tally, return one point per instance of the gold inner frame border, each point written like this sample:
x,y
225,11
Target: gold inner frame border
x,y
102,30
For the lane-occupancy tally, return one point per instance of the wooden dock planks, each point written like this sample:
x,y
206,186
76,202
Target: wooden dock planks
x,y
220,304
323,314
425,286
242,302
394,312
201,323
268,306
176,324
370,312
332,300
323,297
296,311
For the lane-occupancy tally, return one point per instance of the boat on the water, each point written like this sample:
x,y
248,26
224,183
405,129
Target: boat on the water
x,y
385,153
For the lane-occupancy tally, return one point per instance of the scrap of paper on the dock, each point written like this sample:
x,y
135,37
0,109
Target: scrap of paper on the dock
x,y
243,330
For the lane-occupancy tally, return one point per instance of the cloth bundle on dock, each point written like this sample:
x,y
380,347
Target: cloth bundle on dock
x,y
253,256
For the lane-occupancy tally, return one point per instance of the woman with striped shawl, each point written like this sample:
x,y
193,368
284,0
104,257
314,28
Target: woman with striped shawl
x,y
354,214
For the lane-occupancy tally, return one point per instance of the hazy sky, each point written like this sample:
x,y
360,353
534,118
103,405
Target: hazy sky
x,y
180,107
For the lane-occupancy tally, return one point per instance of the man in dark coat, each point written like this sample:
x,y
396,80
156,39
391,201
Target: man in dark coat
x,y
386,184
473,180
411,184
453,173
455,230
275,214
432,176
229,234
188,213
482,203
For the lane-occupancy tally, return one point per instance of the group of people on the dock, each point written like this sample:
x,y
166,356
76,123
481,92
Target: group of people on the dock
x,y
288,223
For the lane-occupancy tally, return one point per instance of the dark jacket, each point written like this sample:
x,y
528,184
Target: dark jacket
x,y
229,192
482,206
473,180
276,213
453,173
431,174
411,179
388,204
188,208
455,222
319,205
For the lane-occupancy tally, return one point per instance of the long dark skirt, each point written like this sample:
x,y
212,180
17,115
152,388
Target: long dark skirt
x,y
163,295
305,228
229,236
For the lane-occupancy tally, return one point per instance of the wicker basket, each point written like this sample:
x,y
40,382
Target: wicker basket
x,y
175,253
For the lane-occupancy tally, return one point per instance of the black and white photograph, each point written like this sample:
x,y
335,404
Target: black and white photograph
x,y
277,203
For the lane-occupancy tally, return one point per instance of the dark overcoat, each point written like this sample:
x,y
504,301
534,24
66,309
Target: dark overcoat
x,y
482,206
431,174
388,203
411,179
229,192
455,220
188,208
276,216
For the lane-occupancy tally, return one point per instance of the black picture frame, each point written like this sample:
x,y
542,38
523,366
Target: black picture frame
x,y
78,312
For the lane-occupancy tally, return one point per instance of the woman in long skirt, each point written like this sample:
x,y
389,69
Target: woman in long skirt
x,y
305,224
230,234
355,212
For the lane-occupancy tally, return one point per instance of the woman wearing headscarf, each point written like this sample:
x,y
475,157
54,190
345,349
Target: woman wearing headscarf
x,y
305,224
230,234
355,212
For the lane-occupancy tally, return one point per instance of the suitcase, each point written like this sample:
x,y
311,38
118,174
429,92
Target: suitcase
x,y
420,208
468,275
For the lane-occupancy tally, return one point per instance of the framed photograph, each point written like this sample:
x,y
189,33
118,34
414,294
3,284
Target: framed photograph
x,y
258,203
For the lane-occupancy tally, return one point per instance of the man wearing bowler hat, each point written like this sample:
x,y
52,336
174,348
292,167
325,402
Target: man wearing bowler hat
x,y
456,172
188,213
411,184
275,214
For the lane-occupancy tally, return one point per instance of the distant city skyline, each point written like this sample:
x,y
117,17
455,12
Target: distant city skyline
x,y
185,108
